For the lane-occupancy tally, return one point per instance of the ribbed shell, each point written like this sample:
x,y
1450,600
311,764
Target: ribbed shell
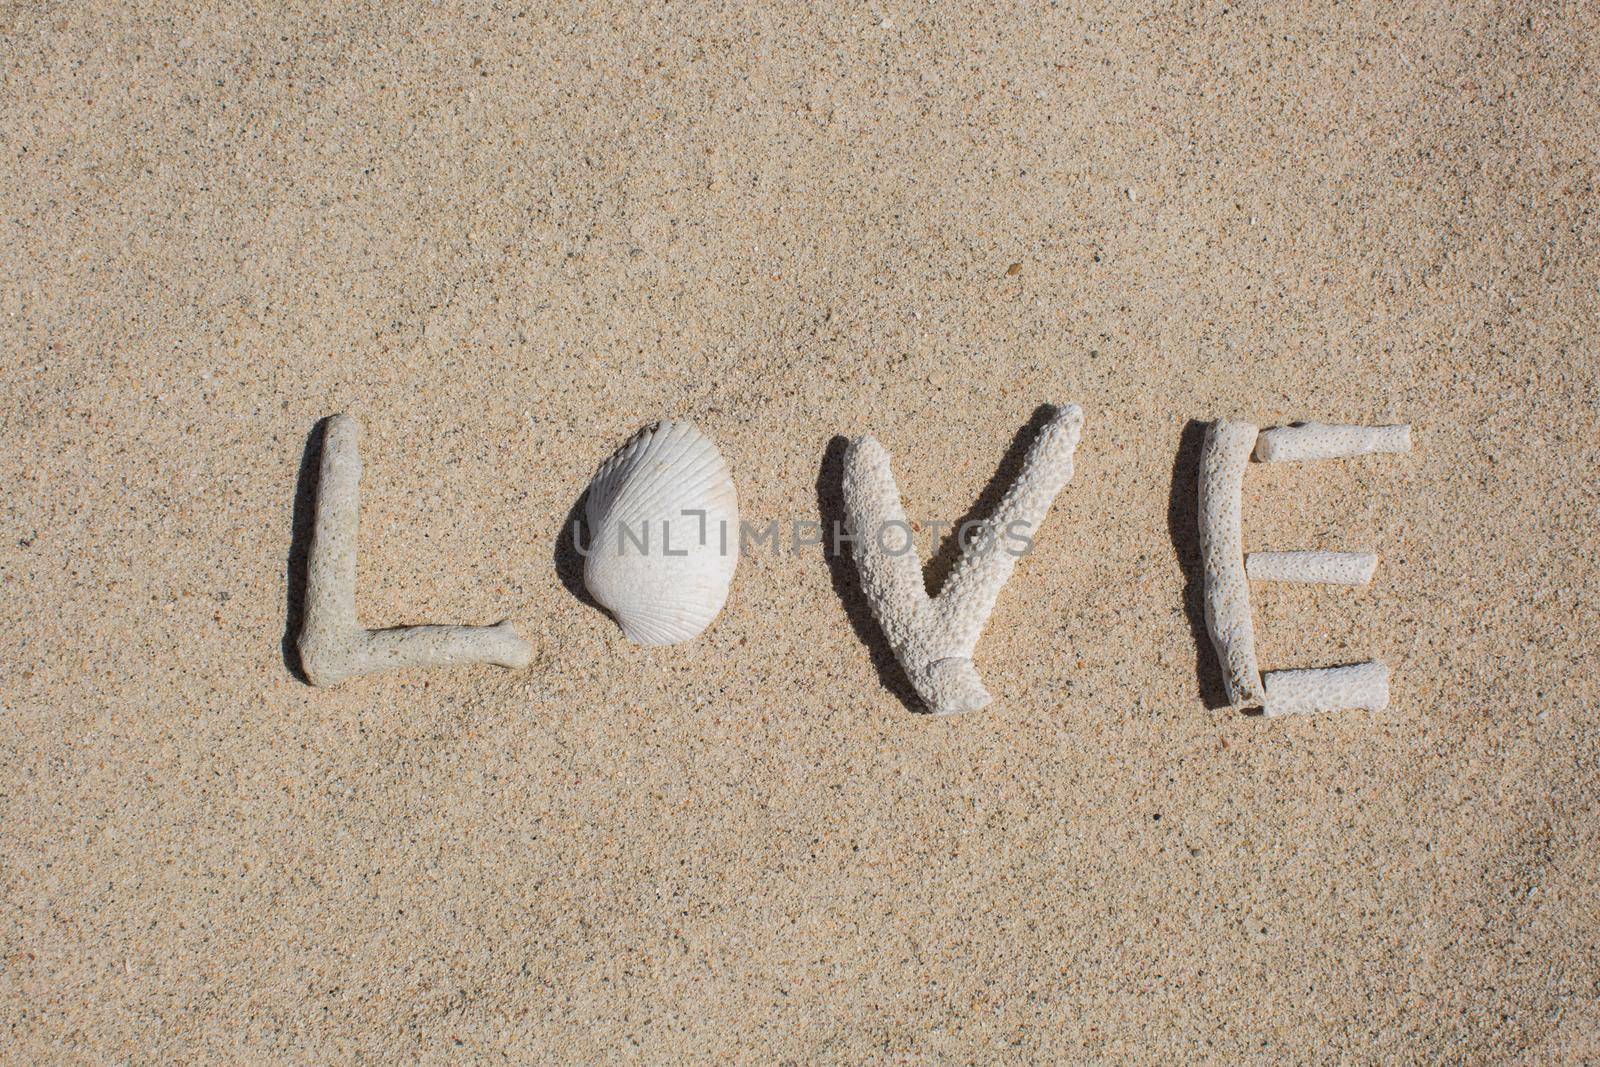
x,y
647,495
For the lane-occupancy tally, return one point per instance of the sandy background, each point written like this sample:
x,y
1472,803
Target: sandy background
x,y
505,238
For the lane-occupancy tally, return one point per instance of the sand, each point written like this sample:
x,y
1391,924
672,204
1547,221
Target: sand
x,y
506,237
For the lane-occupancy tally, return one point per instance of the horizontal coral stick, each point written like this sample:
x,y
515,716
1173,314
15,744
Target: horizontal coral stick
x,y
1320,440
1325,568
1361,685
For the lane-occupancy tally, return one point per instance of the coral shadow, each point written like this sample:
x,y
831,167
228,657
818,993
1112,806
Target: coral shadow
x,y
847,580
1183,527
300,525
950,550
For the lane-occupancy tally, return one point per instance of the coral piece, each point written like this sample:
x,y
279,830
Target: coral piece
x,y
1317,440
934,638
663,534
1305,692
1223,458
333,644
1326,568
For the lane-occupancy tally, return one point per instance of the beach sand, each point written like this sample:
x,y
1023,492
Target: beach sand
x,y
506,237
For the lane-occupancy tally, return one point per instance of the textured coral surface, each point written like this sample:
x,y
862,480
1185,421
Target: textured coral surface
x,y
1316,440
332,643
1307,691
1326,568
1224,455
934,637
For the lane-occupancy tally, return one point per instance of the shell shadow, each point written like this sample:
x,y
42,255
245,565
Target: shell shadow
x,y
1183,527
300,525
847,580
568,557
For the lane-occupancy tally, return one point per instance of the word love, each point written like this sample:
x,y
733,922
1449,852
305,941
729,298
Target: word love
x,y
665,540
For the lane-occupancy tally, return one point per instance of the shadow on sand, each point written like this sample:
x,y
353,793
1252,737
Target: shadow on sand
x,y
1183,527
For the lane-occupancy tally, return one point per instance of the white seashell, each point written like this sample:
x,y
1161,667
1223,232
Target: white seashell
x,y
663,523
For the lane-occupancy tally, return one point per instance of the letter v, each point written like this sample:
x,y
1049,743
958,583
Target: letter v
x,y
934,638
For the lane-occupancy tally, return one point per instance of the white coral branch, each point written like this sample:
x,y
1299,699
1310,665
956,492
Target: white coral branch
x,y
1223,457
333,644
1305,692
934,637
1317,440
1325,568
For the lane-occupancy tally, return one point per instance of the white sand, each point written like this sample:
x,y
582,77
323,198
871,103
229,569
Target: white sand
x,y
505,239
